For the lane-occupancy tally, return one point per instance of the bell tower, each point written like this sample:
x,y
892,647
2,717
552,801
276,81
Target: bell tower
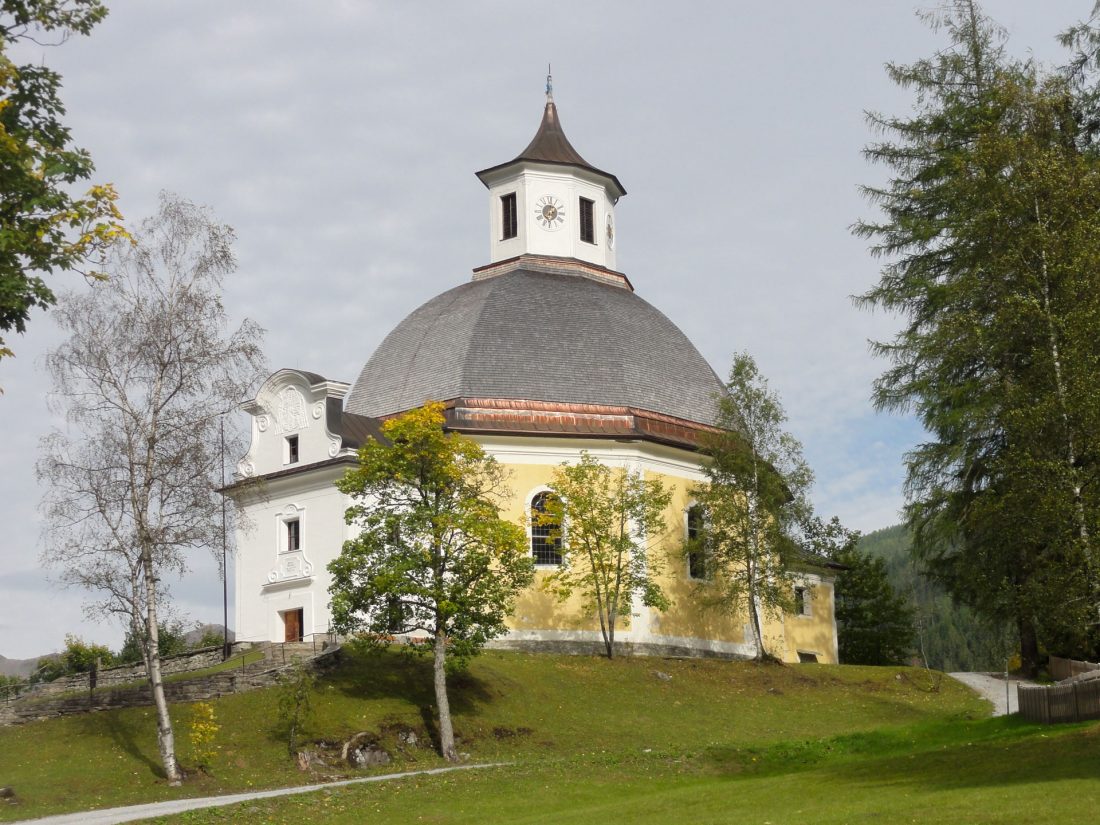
x,y
550,201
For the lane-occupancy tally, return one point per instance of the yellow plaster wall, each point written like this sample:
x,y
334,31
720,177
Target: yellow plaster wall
x,y
811,634
690,615
535,608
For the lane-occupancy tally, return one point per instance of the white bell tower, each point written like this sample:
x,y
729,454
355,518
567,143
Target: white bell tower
x,y
550,201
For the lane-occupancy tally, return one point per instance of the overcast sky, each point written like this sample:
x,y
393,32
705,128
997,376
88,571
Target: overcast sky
x,y
340,140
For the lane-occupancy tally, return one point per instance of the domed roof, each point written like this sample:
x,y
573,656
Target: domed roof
x,y
539,336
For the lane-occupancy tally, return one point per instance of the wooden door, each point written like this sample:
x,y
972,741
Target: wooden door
x,y
292,621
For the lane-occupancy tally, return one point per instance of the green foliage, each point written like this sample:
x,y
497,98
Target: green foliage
x,y
754,501
993,260
874,621
294,702
171,637
433,557
611,518
954,637
43,226
80,656
77,657
210,638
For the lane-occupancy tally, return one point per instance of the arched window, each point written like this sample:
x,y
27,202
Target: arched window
x,y
544,549
697,560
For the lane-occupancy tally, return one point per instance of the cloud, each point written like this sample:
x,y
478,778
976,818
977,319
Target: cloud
x,y
340,140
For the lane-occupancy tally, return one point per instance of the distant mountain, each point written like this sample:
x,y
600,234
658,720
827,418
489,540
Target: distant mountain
x,y
955,638
19,667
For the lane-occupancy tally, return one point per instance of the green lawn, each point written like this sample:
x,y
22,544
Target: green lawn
x,y
592,739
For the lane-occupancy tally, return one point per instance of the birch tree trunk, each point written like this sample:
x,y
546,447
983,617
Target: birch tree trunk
x,y
166,740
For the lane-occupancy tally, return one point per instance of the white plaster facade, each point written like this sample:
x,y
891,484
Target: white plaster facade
x,y
303,442
533,184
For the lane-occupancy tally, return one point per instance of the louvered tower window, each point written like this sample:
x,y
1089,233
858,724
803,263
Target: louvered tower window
x,y
588,220
508,216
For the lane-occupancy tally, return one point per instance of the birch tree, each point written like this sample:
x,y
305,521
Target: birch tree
x,y
606,520
434,559
148,370
753,503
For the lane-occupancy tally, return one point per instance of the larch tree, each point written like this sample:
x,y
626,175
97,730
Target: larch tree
x,y
144,379
44,227
434,559
992,252
753,503
607,521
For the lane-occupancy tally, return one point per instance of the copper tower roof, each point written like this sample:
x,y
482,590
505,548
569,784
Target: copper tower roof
x,y
550,145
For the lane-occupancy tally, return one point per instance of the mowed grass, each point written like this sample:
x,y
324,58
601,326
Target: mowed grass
x,y
587,737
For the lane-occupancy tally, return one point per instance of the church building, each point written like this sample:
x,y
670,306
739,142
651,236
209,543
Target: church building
x,y
546,351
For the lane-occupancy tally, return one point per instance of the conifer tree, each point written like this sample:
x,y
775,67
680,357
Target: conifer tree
x,y
992,253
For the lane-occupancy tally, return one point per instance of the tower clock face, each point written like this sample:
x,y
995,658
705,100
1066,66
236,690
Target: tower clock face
x,y
610,232
549,212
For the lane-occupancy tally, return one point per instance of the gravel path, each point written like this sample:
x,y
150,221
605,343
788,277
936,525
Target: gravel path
x,y
993,689
109,816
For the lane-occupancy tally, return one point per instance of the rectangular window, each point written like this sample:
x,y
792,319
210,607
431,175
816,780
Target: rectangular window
x,y
588,221
802,601
697,560
509,225
292,449
293,535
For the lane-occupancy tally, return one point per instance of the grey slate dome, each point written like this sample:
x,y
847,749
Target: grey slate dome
x,y
538,336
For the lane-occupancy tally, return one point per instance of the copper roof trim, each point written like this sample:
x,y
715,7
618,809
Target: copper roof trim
x,y
558,266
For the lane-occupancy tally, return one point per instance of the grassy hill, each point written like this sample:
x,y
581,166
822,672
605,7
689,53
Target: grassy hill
x,y
640,740
954,637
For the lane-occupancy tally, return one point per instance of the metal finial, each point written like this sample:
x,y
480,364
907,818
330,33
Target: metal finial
x,y
549,85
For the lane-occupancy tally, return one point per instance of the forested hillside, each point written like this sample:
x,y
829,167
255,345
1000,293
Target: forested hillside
x,y
954,638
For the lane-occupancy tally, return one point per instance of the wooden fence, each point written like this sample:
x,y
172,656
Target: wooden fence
x,y
1071,702
1066,668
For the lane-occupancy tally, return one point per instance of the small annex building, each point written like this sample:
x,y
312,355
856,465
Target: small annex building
x,y
546,351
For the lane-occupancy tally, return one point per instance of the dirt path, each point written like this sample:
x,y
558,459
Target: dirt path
x,y
993,689
109,816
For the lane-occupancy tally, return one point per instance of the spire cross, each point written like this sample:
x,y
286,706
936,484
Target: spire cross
x,y
549,85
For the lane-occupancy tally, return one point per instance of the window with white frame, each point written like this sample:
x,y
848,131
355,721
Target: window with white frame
x,y
292,449
293,535
508,222
545,536
697,559
803,601
588,220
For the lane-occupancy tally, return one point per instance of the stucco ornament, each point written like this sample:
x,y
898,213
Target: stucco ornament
x,y
262,423
292,410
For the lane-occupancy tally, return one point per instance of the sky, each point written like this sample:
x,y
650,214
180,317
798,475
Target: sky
x,y
340,140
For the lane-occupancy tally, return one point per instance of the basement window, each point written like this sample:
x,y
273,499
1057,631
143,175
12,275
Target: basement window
x,y
588,221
